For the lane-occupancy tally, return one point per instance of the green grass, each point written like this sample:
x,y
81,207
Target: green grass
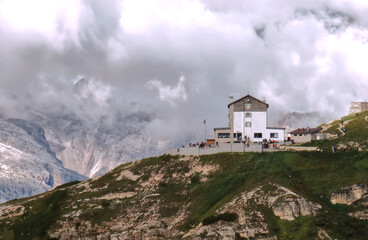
x,y
301,228
313,175
356,131
36,221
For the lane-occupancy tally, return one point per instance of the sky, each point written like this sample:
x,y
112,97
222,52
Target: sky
x,y
181,60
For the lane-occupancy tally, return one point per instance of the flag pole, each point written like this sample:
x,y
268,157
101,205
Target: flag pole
x,y
205,129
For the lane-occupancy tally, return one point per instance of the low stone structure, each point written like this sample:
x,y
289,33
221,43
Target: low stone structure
x,y
357,107
303,135
219,148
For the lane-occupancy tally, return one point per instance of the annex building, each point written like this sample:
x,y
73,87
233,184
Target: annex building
x,y
248,123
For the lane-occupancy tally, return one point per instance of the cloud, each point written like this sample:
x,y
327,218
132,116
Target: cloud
x,y
55,21
170,94
140,16
301,55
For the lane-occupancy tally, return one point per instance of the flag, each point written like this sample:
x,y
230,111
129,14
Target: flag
x,y
204,121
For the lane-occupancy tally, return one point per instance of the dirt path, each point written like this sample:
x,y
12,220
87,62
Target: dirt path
x,y
342,126
327,125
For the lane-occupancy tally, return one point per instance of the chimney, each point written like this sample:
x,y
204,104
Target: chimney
x,y
231,98
264,99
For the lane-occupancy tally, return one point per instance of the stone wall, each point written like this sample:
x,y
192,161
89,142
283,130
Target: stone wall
x,y
357,107
302,139
223,147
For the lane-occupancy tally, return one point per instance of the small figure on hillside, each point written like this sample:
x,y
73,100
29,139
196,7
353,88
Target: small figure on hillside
x,y
333,149
344,129
356,115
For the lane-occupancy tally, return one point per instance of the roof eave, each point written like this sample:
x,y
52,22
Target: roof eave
x,y
245,97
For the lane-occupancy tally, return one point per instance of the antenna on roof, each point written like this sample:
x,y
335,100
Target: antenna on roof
x,y
248,87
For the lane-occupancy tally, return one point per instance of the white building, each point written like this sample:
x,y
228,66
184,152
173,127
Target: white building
x,y
248,121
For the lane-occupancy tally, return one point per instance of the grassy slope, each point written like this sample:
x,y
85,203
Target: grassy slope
x,y
311,174
356,131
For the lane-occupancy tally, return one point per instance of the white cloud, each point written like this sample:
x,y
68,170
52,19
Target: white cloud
x,y
295,58
170,94
140,16
314,61
95,91
56,20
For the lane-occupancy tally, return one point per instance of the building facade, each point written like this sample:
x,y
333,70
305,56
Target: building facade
x,y
303,135
248,122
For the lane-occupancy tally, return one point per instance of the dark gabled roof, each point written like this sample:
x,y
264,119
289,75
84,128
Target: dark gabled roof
x,y
247,97
305,131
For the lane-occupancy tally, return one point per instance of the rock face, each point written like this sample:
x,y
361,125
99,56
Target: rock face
x,y
27,164
36,153
92,150
360,214
348,195
292,207
251,223
357,195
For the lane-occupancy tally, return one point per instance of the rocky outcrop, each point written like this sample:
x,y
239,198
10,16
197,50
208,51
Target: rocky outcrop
x,y
250,222
360,214
11,211
348,195
292,207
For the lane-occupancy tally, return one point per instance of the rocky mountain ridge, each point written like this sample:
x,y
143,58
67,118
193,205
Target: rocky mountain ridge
x,y
27,164
221,196
77,148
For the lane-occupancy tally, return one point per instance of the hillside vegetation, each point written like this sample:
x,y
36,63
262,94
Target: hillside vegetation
x,y
280,195
355,137
273,195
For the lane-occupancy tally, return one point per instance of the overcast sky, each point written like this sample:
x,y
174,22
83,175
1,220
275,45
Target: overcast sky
x,y
180,60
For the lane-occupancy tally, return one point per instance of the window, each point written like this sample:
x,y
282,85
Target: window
x,y
300,134
257,135
248,105
248,115
238,136
248,124
295,135
223,135
274,135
